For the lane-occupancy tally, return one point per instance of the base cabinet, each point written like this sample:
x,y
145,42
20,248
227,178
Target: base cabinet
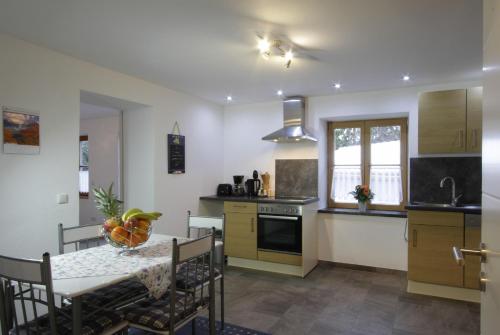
x,y
241,230
431,237
429,254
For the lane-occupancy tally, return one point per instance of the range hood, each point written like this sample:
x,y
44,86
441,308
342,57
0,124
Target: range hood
x,y
294,128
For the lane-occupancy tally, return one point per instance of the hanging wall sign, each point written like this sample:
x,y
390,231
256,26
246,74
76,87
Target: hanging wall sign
x,y
176,146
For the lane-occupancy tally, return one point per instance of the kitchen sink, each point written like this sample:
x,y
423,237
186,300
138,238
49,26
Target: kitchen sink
x,y
435,205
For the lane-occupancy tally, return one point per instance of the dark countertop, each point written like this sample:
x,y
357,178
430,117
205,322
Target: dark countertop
x,y
469,209
369,212
303,201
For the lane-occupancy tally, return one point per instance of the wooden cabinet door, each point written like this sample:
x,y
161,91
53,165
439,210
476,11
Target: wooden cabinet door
x,y
472,266
442,122
474,119
430,257
241,235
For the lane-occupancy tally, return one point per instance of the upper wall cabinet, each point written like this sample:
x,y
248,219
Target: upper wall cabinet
x,y
450,121
474,119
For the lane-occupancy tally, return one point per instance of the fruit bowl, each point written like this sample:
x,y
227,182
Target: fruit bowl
x,y
130,231
127,239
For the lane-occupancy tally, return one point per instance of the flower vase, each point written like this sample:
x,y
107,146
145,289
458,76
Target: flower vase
x,y
362,206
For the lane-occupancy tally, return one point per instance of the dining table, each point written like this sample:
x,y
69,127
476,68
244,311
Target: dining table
x,y
77,273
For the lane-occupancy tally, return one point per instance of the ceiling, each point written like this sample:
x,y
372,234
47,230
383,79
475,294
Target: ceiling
x,y
208,48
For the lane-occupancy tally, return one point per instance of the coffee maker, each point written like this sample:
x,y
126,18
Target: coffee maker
x,y
238,189
253,185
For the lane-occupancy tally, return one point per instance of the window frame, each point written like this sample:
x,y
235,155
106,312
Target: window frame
x,y
83,138
365,126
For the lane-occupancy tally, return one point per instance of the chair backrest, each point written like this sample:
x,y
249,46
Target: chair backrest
x,y
82,237
20,299
202,224
192,258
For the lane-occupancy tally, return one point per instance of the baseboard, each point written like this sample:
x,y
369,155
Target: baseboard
x,y
442,291
265,266
361,267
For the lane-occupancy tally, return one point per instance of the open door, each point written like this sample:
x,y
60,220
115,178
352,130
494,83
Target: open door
x,y
490,298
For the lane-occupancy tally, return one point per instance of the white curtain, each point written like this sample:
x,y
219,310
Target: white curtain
x,y
385,182
345,180
84,181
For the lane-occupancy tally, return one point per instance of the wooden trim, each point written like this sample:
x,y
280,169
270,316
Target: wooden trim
x,y
365,158
84,138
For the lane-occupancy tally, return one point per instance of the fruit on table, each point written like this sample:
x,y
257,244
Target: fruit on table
x,y
136,238
111,224
107,203
120,235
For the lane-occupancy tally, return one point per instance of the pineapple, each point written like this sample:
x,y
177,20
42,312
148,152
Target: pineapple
x,y
110,206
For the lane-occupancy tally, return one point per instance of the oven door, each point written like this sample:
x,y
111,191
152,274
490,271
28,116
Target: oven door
x,y
279,233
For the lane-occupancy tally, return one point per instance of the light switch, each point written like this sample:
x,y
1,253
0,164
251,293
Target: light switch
x,y
62,198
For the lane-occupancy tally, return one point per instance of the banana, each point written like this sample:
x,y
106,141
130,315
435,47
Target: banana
x,y
129,213
146,216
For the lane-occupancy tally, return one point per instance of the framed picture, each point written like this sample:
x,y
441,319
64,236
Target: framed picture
x,y
21,131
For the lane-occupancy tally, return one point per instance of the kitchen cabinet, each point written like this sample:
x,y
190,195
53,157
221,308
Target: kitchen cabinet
x,y
474,119
241,229
450,121
431,238
472,266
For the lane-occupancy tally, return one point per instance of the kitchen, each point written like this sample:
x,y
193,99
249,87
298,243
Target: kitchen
x,y
285,110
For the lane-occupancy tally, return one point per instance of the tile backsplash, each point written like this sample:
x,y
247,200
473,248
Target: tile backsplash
x,y
426,173
296,177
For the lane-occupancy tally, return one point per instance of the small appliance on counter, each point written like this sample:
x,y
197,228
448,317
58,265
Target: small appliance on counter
x,y
253,185
239,189
224,190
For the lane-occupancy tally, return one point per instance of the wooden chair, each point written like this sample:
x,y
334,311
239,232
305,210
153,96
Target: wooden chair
x,y
201,225
115,296
177,308
22,303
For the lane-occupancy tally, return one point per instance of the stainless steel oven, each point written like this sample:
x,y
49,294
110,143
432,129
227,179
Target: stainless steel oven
x,y
279,228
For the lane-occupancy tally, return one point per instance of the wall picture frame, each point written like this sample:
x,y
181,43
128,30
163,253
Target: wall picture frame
x,y
21,131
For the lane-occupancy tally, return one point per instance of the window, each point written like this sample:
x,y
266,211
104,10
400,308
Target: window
x,y
84,167
372,152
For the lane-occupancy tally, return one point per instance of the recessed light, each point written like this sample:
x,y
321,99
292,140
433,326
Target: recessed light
x,y
280,92
406,77
229,98
337,85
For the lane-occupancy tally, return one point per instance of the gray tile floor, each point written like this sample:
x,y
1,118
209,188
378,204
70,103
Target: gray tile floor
x,y
333,300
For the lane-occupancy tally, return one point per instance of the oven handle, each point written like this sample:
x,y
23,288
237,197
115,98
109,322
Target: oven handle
x,y
289,218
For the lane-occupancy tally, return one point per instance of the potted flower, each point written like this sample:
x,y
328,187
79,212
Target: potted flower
x,y
363,194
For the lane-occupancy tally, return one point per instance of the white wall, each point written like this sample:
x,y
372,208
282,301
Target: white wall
x,y
244,151
104,161
39,79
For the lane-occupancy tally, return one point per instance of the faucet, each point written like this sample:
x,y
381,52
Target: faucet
x,y
454,198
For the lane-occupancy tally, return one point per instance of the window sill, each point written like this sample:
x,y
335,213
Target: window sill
x,y
369,212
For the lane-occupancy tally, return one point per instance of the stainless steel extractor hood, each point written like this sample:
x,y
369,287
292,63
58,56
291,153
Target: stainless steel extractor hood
x,y
294,128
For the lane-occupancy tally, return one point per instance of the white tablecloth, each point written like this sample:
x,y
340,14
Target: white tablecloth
x,y
151,265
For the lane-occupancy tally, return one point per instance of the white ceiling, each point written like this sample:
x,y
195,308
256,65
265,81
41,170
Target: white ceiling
x,y
208,48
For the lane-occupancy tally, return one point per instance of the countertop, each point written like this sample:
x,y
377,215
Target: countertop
x,y
469,209
292,201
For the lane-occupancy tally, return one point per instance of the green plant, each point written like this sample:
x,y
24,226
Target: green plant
x,y
107,203
362,193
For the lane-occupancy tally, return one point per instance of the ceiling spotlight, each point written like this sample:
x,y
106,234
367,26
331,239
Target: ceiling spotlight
x,y
280,92
229,98
264,47
288,58
406,77
337,85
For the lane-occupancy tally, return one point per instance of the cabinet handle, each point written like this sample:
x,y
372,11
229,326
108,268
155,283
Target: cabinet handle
x,y
252,229
414,238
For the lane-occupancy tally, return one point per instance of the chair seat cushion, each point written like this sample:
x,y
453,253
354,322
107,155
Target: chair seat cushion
x,y
92,325
115,295
191,278
155,313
